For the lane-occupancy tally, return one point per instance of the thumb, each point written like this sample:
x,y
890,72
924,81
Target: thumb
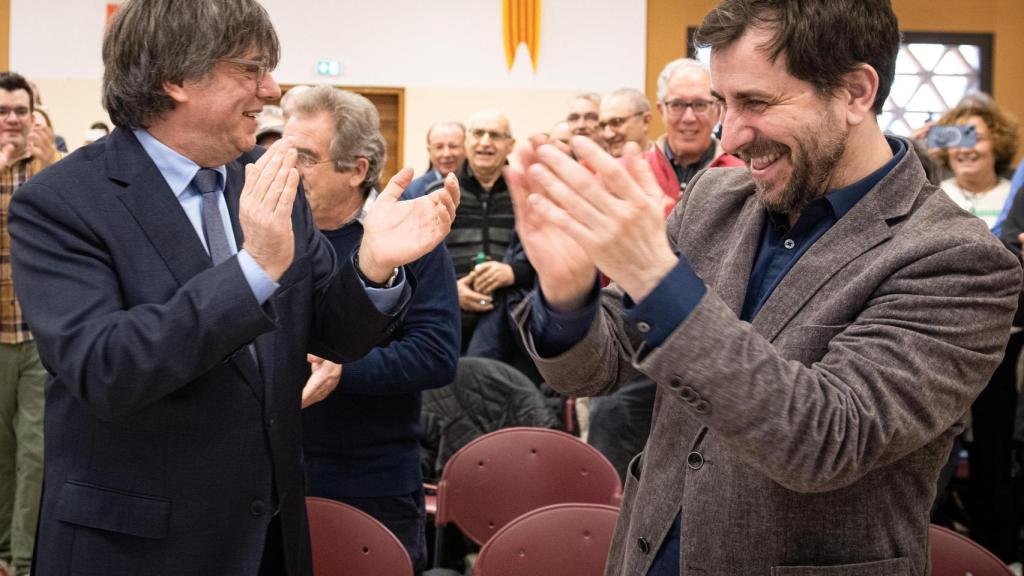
x,y
398,183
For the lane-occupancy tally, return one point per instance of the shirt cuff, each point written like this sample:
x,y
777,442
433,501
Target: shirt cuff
x,y
668,305
555,332
261,284
387,300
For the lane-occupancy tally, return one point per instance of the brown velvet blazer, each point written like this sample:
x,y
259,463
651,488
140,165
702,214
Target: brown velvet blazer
x,y
821,426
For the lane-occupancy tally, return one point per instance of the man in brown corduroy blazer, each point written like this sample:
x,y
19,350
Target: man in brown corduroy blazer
x,y
818,323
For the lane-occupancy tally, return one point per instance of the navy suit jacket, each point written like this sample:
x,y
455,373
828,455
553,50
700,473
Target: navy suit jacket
x,y
168,449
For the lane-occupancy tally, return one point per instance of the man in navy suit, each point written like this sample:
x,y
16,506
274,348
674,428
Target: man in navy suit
x,y
174,282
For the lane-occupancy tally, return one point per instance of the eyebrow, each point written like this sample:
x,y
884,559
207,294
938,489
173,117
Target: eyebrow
x,y
306,151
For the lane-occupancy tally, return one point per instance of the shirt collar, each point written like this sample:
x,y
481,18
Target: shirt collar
x,y
841,200
370,199
704,159
176,168
845,198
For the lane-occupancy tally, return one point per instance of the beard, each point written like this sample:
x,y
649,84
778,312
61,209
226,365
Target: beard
x,y
818,152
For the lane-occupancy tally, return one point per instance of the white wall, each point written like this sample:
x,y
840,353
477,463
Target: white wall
x,y
448,54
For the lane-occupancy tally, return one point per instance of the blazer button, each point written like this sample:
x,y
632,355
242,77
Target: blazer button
x,y
257,508
675,384
643,327
702,407
643,544
688,394
695,460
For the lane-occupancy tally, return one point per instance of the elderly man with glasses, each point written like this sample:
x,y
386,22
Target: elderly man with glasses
x,y
625,116
690,114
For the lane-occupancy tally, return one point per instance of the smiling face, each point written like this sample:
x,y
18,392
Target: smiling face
x,y
488,142
978,163
688,132
622,122
446,146
791,137
215,118
16,125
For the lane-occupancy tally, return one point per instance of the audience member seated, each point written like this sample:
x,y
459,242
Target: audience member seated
x,y
690,113
446,147
625,116
362,441
583,116
487,395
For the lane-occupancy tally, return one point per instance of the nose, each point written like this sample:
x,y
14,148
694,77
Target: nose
x,y
607,133
268,88
735,132
689,115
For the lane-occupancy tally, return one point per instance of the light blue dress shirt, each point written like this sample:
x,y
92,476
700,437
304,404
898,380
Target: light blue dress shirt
x,y
179,171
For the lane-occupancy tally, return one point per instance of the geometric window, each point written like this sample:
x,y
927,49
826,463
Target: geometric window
x,y
933,72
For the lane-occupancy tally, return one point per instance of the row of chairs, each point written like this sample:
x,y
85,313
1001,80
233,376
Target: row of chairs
x,y
540,502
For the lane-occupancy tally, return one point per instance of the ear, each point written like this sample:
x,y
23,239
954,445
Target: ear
x,y
177,92
646,119
861,86
359,172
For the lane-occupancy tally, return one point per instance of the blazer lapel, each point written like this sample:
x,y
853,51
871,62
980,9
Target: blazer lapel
x,y
152,203
862,228
731,282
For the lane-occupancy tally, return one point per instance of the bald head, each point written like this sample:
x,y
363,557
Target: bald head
x,y
488,143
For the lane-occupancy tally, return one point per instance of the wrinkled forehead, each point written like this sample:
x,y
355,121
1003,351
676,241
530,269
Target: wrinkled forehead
x,y
582,106
489,122
689,85
446,133
616,106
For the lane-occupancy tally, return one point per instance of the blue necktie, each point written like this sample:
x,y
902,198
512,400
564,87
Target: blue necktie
x,y
206,181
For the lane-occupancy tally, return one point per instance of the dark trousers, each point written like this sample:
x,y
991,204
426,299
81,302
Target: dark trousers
x,y
273,550
621,422
405,516
992,504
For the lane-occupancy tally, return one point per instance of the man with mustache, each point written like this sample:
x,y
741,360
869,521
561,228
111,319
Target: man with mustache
x,y
817,324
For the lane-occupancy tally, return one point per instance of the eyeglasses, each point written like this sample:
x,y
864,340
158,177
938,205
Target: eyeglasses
x,y
616,122
479,133
307,161
20,112
254,69
678,107
588,117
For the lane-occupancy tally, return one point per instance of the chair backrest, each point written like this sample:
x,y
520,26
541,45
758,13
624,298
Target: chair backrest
x,y
955,555
347,541
552,541
502,475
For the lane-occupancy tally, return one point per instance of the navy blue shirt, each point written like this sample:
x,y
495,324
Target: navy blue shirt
x,y
679,293
363,440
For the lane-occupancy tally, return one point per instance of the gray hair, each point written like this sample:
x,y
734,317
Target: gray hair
x,y
356,129
637,99
677,66
592,96
446,124
151,42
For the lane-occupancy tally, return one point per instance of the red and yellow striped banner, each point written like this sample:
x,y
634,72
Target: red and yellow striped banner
x,y
522,26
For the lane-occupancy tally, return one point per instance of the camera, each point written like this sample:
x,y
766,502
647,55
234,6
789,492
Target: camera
x,y
956,136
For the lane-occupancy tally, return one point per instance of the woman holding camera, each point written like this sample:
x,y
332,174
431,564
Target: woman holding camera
x,y
977,184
